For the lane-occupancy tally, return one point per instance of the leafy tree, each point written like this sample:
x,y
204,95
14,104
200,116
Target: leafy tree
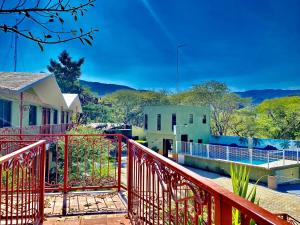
x,y
128,105
243,122
279,118
219,98
67,73
44,22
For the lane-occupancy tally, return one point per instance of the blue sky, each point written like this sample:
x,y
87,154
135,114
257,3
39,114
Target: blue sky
x,y
246,44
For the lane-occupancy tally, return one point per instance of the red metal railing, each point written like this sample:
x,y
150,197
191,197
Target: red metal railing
x,y
37,129
22,185
289,218
162,192
159,190
78,162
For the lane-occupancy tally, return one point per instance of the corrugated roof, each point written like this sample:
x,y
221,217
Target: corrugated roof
x,y
19,81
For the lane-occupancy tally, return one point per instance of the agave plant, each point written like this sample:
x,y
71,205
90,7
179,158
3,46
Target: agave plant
x,y
240,184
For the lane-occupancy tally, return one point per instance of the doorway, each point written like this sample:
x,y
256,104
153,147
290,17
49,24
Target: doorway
x,y
167,146
46,115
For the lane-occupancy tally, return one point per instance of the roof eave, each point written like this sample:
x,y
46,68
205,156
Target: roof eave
x,y
25,88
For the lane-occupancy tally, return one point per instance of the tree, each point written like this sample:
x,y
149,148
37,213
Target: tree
x,y
67,72
128,105
43,22
219,98
279,118
243,122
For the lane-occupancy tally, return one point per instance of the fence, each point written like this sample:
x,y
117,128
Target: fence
x,y
78,162
159,190
268,158
22,185
162,192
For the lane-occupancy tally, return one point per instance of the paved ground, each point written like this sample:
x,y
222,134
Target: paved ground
x,y
113,219
81,203
274,201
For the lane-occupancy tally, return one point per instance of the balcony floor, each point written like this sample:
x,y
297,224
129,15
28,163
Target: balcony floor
x,y
112,219
84,203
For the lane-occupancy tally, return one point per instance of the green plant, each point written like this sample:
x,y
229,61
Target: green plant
x,y
240,185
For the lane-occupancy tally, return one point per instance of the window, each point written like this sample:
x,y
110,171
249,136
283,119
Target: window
x,y
146,122
55,116
204,119
5,113
32,115
173,120
62,119
158,122
67,119
191,118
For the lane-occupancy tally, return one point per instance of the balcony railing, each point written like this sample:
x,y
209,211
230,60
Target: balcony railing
x,y
37,129
159,190
22,185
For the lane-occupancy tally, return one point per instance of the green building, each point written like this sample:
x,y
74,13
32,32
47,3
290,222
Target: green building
x,y
33,103
164,125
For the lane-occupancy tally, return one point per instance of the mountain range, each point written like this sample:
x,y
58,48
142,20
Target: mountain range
x,y
257,96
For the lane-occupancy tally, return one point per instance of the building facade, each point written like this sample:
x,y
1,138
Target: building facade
x,y
164,125
30,103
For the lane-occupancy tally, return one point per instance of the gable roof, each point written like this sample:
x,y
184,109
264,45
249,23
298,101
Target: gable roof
x,y
73,102
44,86
21,81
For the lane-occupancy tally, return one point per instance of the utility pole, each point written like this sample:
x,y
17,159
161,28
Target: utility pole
x,y
16,52
178,47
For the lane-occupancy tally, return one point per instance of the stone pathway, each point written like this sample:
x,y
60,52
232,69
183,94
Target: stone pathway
x,y
274,201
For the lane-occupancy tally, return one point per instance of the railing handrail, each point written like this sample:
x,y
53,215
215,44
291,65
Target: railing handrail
x,y
259,214
9,156
61,135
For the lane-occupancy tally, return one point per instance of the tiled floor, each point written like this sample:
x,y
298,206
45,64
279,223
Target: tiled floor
x,y
113,219
83,203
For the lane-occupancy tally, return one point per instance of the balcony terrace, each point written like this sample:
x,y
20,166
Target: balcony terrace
x,y
47,178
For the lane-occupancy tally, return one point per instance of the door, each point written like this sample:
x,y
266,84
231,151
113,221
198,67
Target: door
x,y
167,146
184,143
46,121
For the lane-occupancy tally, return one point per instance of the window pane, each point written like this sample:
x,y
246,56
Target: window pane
x,y
5,113
158,122
32,115
173,120
204,119
55,117
191,118
146,122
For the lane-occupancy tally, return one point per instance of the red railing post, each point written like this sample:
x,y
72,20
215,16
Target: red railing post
x,y
42,182
129,178
119,161
66,165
